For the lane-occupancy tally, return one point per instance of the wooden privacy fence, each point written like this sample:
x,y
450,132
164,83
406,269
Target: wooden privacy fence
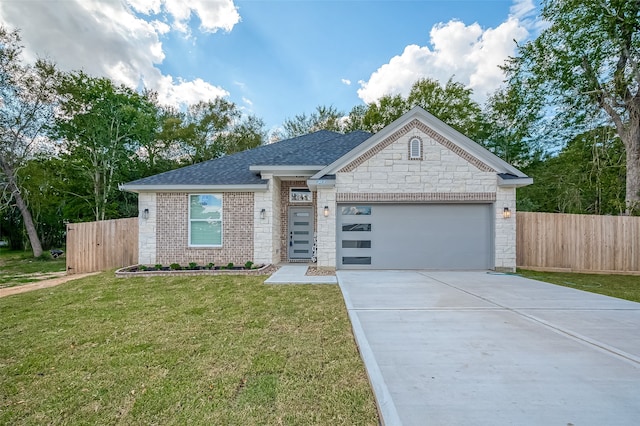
x,y
578,243
98,246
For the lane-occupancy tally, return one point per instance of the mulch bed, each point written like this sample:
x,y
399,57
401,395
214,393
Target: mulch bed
x,y
320,272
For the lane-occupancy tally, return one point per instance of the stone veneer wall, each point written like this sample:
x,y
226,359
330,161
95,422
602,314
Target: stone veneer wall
x,y
444,174
285,185
505,231
326,227
266,233
173,232
147,229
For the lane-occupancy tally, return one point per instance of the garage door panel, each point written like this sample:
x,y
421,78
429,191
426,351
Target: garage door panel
x,y
420,236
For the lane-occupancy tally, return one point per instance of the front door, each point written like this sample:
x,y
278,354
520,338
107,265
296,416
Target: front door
x,y
300,232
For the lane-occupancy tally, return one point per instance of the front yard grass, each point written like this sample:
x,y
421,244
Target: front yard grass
x,y
620,286
20,267
224,350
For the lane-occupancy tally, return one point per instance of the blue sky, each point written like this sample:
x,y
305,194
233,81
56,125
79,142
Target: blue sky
x,y
276,59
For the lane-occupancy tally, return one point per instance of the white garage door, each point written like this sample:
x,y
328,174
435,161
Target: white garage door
x,y
415,236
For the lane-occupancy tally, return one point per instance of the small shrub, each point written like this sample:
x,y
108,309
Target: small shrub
x,y
248,265
193,265
158,266
230,265
211,265
175,266
142,268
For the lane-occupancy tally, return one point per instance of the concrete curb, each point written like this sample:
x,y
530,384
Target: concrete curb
x,y
386,407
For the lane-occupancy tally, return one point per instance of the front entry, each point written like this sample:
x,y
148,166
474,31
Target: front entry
x,y
300,241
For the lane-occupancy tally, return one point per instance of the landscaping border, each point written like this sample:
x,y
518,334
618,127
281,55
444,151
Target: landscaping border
x,y
264,270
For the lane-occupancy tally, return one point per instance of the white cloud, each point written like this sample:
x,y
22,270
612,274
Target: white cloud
x,y
247,101
468,53
346,81
106,38
214,15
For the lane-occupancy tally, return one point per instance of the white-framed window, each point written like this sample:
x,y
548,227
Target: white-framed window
x,y
300,195
415,149
205,220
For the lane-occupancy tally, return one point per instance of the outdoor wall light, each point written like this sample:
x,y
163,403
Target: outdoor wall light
x,y
263,213
326,211
145,214
506,213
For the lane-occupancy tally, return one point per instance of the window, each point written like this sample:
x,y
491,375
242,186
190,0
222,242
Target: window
x,y
365,227
415,149
356,210
205,220
356,260
356,243
300,195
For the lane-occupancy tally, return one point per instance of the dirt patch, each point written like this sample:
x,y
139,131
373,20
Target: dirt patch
x,y
41,284
320,272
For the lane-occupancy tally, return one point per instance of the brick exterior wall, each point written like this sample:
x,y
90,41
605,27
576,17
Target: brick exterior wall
x,y
173,233
285,186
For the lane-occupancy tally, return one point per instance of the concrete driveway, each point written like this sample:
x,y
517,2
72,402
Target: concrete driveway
x,y
480,348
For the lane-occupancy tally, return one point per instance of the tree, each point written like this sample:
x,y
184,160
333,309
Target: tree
x,y
511,129
451,103
585,65
215,128
101,126
586,176
26,95
377,115
323,118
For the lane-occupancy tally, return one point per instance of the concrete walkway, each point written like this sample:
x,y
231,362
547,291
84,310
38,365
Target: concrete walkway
x,y
476,348
295,274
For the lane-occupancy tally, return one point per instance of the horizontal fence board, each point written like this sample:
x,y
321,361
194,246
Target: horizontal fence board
x,y
98,246
579,243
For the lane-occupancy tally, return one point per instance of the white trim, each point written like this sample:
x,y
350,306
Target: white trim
x,y
514,183
195,188
264,168
283,170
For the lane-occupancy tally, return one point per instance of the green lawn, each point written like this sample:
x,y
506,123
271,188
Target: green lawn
x,y
620,286
20,267
224,350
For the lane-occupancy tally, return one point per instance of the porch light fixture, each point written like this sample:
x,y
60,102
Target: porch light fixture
x,y
145,214
263,213
506,213
326,211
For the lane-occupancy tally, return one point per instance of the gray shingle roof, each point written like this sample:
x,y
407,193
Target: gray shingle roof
x,y
315,149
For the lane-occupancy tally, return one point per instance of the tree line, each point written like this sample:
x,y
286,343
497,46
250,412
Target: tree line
x,y
568,115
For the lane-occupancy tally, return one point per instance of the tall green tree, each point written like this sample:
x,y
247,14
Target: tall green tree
x,y
511,130
323,118
377,115
587,177
215,128
27,97
451,103
101,126
585,65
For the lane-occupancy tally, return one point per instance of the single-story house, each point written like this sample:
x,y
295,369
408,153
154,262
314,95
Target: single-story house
x,y
416,195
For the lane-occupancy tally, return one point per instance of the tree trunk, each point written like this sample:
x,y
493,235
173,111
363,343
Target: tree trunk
x,y
631,140
36,246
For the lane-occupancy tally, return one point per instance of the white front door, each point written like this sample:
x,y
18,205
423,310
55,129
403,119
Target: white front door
x,y
300,236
